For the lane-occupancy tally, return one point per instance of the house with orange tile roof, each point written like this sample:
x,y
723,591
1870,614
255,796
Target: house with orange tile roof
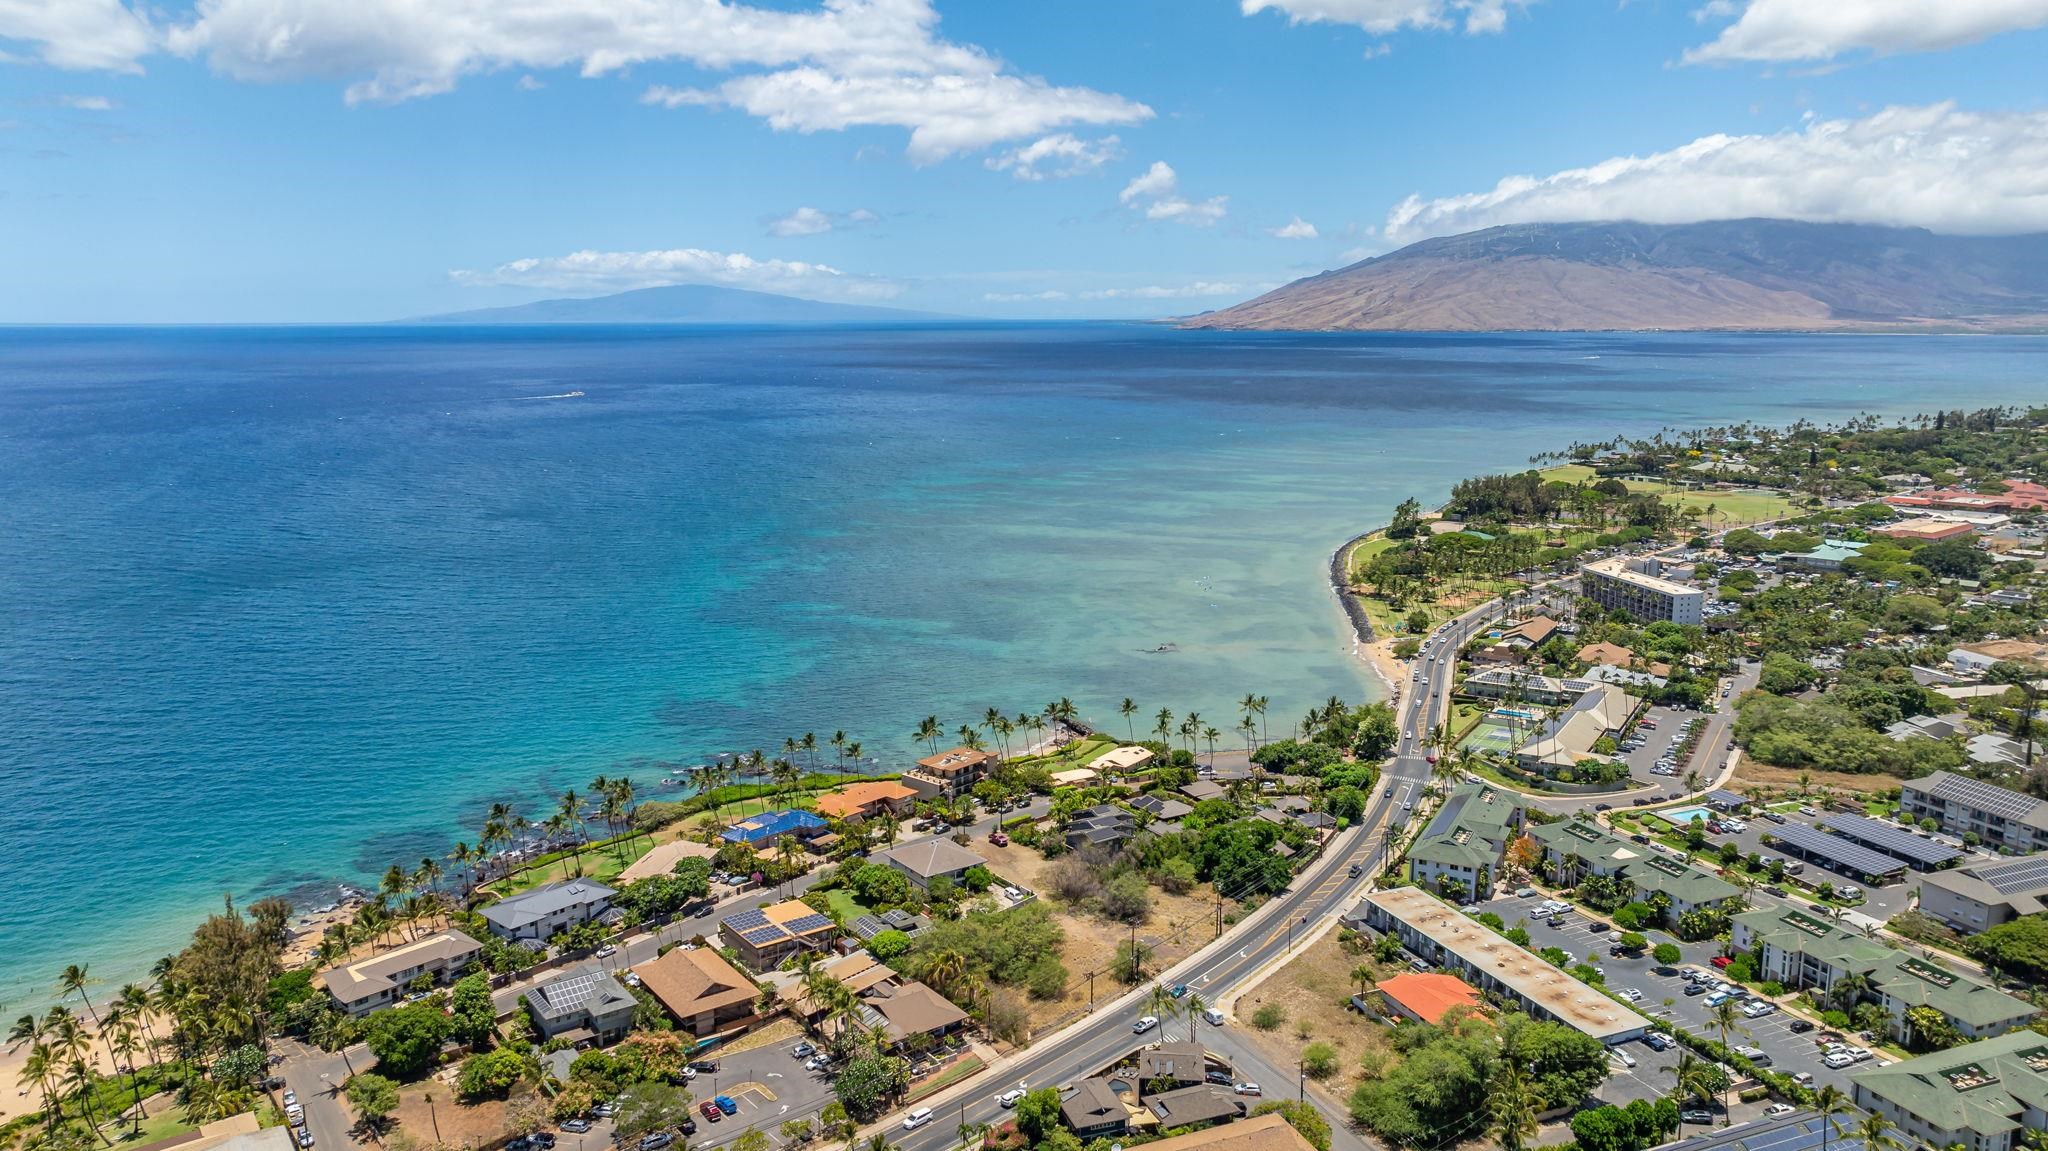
x,y
1425,997
866,800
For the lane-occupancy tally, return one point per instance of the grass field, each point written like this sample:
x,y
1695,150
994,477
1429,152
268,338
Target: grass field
x,y
602,863
846,906
1568,473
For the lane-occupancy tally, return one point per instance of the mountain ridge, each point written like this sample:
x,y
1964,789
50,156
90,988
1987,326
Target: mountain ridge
x,y
1754,274
683,304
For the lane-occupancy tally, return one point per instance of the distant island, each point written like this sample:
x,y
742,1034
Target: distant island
x,y
684,304
1758,275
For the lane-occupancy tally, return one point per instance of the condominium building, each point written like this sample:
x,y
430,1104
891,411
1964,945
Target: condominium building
x,y
1982,1096
1983,895
949,773
1802,950
1999,816
1574,849
381,980
1465,841
1633,584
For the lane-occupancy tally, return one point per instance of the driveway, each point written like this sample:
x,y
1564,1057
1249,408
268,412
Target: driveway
x,y
315,1077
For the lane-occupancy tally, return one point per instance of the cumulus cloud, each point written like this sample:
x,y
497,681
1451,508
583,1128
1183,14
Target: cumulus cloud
x,y
531,83
843,64
597,272
1295,229
1931,166
1056,157
80,35
1156,192
812,221
1783,30
1383,16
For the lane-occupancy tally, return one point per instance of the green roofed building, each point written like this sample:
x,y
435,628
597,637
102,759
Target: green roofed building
x,y
1575,849
1464,842
1980,1095
1802,950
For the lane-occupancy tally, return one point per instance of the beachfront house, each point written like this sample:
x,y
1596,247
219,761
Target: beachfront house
x,y
381,980
535,916
929,860
767,828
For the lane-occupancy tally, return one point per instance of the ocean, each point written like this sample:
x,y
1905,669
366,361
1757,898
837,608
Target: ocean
x,y
281,606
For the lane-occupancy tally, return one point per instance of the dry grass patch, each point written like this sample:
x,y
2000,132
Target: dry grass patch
x,y
1785,780
1313,991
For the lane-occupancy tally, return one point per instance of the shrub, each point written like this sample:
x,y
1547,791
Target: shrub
x,y
1667,954
1319,1060
1269,1017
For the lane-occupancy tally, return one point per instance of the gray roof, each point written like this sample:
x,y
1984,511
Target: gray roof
x,y
588,989
533,906
1202,1103
932,857
1093,1104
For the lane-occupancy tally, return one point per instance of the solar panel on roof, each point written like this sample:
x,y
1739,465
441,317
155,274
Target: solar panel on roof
x,y
2020,875
1890,840
808,923
1835,848
1984,796
741,920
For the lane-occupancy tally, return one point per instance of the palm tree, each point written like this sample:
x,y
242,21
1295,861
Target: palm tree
x,y
1513,1106
853,750
810,745
73,981
1163,725
838,742
1127,709
78,1078
785,775
570,813
1692,1080
1161,1003
126,1043
1363,973
1194,1005
1875,1132
1210,734
1723,1019
928,730
36,1068
1829,1102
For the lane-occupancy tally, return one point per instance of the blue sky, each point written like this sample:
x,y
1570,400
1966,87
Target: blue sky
x,y
323,160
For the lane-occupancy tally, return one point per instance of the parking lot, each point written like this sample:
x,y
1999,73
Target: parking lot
x,y
1663,997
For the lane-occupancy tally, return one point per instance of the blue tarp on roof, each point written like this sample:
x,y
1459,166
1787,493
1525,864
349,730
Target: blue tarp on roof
x,y
773,825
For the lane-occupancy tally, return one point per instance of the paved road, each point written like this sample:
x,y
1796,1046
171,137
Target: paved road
x,y
1325,890
316,1076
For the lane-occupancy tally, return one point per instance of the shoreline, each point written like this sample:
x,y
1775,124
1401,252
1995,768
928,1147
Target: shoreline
x,y
1377,653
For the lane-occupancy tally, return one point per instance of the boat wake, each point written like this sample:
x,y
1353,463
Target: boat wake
x,y
556,396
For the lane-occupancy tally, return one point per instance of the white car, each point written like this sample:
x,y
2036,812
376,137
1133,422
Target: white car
x,y
1015,894
1247,1089
917,1119
1212,1017
1627,1060
1759,1009
1145,1023
1777,1109
607,950
1011,1097
1630,994
291,1098
1837,1062
689,1072
817,1063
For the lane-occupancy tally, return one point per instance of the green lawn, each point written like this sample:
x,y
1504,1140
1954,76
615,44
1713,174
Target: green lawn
x,y
602,863
1568,473
846,906
1736,508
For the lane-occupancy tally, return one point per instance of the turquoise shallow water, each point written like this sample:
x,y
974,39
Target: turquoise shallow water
x,y
281,606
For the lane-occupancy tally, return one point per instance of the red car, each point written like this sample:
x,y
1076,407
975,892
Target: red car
x,y
1721,961
998,839
710,1111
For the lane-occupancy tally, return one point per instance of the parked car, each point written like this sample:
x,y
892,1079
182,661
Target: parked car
x,y
576,1126
1656,1042
1721,960
1696,1115
689,1125
1800,1027
998,839
305,1137
655,1139
726,1104
710,1111
1219,1078
1837,1062
1696,989
1247,1088
802,1050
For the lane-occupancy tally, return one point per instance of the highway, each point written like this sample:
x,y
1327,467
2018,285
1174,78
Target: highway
x,y
1223,970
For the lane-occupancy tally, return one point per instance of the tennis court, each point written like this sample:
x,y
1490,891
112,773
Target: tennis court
x,y
1490,736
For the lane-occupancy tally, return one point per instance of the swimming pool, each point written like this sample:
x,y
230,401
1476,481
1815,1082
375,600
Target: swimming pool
x,y
1514,713
1679,817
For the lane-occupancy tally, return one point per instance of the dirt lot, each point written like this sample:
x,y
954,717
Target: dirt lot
x,y
1178,926
448,1122
1749,773
1312,990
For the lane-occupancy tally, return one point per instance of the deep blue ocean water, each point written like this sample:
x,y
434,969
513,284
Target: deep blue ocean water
x,y
281,606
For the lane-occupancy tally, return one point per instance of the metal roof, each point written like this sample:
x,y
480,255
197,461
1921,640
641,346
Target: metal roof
x,y
1834,848
1891,841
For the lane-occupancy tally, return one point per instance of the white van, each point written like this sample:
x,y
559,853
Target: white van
x,y
917,1119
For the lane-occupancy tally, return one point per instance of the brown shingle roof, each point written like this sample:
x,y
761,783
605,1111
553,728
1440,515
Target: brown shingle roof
x,y
851,799
1269,1132
690,983
913,1009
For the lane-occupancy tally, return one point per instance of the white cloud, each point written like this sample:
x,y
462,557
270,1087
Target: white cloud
x,y
812,221
1381,17
1930,166
1780,30
1194,290
1295,229
85,103
1157,191
80,35
1047,296
1061,155
843,64
589,271
531,83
